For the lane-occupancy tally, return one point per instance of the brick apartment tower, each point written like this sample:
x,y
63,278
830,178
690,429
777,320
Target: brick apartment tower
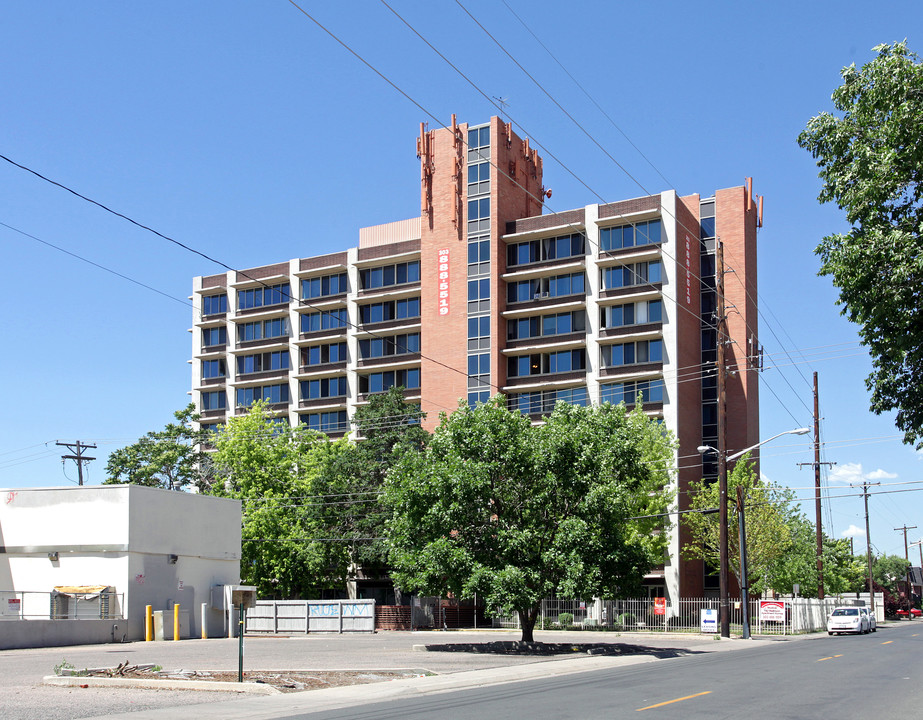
x,y
483,293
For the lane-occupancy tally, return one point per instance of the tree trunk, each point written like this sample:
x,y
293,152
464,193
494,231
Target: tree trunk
x,y
527,620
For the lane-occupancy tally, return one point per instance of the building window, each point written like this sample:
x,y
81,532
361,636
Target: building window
x,y
381,381
215,304
478,179
478,144
642,351
543,402
479,209
390,310
387,275
327,320
620,276
214,336
546,325
479,333
262,362
647,311
554,248
479,289
626,236
546,363
627,392
478,397
263,296
214,369
323,354
323,388
334,421
324,285
273,394
387,346
556,286
478,256
479,364
216,400
274,328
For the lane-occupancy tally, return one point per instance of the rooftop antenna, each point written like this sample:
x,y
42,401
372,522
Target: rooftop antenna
x,y
503,102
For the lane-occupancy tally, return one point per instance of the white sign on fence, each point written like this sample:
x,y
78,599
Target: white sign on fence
x,y
708,620
772,611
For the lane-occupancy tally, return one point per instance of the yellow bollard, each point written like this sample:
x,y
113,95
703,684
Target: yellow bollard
x,y
176,621
148,623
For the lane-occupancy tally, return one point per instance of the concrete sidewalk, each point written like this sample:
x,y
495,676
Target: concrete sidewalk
x,y
458,659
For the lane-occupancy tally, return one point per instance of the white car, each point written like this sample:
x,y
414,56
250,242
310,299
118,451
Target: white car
x,y
873,623
848,620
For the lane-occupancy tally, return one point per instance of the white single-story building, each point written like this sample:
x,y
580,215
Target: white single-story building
x,y
79,563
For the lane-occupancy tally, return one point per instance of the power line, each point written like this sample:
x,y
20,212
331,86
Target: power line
x,y
97,265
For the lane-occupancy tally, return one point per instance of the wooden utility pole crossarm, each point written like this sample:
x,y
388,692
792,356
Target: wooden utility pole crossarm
x,y
77,448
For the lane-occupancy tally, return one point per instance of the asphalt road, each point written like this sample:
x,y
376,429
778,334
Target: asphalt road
x,y
23,697
843,677
685,676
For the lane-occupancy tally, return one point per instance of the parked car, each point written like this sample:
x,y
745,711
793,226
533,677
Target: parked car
x,y
848,620
914,613
873,622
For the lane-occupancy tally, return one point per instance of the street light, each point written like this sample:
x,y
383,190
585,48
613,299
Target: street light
x,y
723,530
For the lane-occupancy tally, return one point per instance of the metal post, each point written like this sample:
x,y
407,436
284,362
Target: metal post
x,y
148,623
240,651
744,584
176,621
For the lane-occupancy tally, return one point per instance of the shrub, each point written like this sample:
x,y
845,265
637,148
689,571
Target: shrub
x,y
626,619
565,619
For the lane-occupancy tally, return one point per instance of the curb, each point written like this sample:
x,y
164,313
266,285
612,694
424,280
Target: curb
x,y
245,688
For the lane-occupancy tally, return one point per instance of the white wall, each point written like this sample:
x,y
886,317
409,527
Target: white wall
x,y
122,536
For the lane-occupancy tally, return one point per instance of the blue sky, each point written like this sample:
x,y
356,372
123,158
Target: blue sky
x,y
245,131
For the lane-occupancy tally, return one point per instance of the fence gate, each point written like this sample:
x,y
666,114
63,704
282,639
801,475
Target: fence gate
x,y
286,617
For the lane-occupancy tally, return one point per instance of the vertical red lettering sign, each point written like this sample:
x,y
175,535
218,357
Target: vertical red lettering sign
x,y
444,281
688,270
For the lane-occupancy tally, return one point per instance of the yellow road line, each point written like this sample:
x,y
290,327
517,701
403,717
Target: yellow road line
x,y
669,702
829,658
888,642
915,634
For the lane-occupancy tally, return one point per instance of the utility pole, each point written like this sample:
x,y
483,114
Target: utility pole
x,y
77,448
819,527
919,544
907,558
721,317
868,539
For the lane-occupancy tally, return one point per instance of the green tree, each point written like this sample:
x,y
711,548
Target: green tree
x,y
890,571
353,478
515,513
170,458
843,572
272,468
871,161
771,521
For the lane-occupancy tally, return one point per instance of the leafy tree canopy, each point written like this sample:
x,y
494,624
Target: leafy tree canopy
x,y
889,571
870,157
170,458
515,513
273,469
353,477
772,522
